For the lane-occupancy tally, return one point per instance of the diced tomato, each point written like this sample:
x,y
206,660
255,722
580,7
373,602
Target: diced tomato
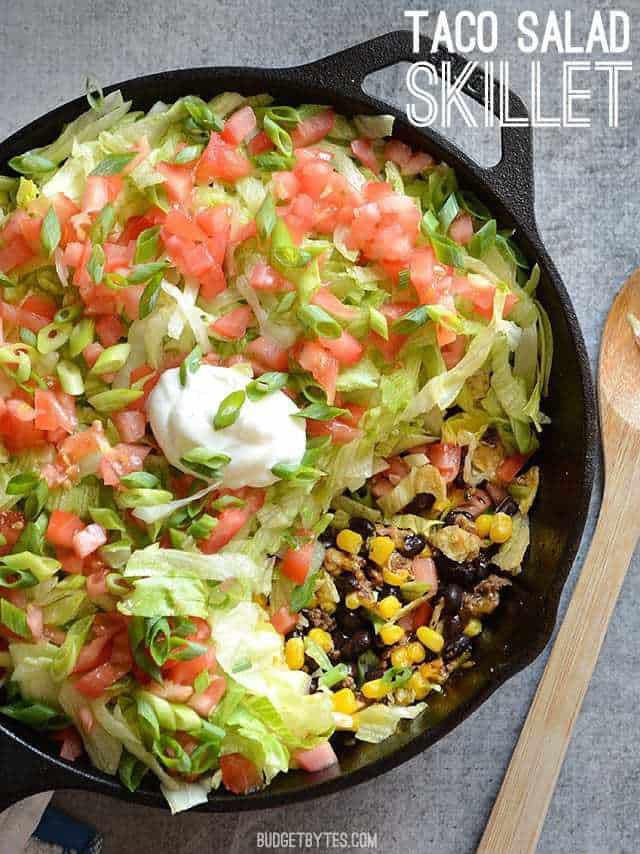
x,y
131,426
296,563
234,324
110,329
221,160
259,144
89,540
270,353
11,526
184,672
62,528
17,316
510,467
239,774
322,365
94,653
55,411
230,521
346,348
239,125
340,432
205,702
446,458
363,150
317,758
313,129
283,621
178,181
424,570
330,303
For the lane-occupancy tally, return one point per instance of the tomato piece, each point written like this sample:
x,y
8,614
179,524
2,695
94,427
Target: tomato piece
x,y
297,562
317,758
221,160
239,125
230,521
270,353
446,458
62,528
510,467
313,129
131,425
322,365
346,348
234,324
283,621
89,540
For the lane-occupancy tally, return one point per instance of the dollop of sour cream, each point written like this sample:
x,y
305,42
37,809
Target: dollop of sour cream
x,y
263,435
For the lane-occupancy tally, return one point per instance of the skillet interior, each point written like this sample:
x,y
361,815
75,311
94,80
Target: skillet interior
x,y
524,624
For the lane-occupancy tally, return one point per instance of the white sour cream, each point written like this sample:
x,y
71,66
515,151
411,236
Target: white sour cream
x,y
263,435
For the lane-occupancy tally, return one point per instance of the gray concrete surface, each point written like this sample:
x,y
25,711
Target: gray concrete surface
x,y
587,199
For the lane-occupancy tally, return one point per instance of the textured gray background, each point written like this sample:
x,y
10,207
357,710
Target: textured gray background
x,y
587,184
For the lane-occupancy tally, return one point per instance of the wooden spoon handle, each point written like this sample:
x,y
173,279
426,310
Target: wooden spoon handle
x,y
519,812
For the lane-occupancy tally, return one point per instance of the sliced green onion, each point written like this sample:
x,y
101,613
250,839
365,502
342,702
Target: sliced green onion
x,y
190,365
108,518
103,224
15,619
143,479
50,232
81,336
320,412
150,295
378,323
266,217
114,400
188,154
229,410
52,337
96,262
113,164
111,359
147,245
70,377
143,272
318,321
333,676
266,384
31,164
278,136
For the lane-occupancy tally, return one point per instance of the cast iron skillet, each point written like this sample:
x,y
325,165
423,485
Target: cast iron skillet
x,y
523,626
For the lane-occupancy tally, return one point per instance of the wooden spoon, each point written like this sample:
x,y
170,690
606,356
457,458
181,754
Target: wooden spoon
x,y
519,812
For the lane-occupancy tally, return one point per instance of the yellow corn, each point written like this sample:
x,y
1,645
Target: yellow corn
x,y
349,541
394,578
473,628
381,549
400,656
391,634
352,601
375,689
416,652
344,701
483,524
419,685
430,638
294,653
501,528
322,638
389,607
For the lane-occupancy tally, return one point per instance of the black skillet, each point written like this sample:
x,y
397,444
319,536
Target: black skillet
x,y
524,625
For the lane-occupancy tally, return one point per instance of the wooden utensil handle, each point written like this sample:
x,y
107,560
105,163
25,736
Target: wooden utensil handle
x,y
519,812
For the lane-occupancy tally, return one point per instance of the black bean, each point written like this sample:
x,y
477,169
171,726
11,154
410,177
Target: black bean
x,y
358,644
328,536
453,627
349,621
413,544
421,503
508,506
362,526
453,594
456,648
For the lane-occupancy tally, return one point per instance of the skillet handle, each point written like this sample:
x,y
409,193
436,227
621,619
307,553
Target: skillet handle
x,y
512,177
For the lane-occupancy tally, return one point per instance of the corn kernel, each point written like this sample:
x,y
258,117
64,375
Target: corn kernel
x,y
349,541
419,685
430,638
483,524
416,652
391,634
322,638
352,601
389,607
344,701
375,689
294,653
394,578
501,528
473,628
400,656
381,549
